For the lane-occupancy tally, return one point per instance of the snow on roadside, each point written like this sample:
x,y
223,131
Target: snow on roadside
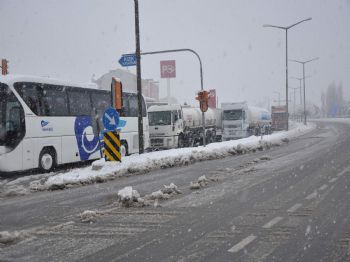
x,y
334,120
101,171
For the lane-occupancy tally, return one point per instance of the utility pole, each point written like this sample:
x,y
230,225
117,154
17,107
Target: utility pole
x,y
138,73
286,28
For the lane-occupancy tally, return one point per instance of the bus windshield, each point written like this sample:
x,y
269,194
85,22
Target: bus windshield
x,y
159,118
11,118
233,115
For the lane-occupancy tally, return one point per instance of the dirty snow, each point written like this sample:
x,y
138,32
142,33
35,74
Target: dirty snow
x,y
102,171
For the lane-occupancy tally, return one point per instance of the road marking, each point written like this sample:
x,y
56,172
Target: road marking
x,y
312,195
294,208
272,222
242,244
333,180
344,171
323,187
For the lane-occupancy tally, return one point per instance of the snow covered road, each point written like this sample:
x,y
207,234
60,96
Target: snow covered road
x,y
251,207
101,171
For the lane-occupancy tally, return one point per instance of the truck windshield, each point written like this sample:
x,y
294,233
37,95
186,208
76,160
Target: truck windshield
x,y
159,118
12,126
232,114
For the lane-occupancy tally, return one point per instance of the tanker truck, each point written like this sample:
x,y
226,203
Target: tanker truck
x,y
242,120
173,126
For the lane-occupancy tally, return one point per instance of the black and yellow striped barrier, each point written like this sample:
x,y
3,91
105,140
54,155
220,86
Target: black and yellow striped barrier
x,y
111,149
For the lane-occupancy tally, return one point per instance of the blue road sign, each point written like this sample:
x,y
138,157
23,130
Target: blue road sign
x,y
127,60
110,119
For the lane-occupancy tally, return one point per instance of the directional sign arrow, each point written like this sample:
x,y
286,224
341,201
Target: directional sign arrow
x,y
111,120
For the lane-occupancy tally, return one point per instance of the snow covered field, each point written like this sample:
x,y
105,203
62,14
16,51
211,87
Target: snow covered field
x,y
101,171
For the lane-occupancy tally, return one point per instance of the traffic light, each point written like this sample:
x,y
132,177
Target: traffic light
x,y
4,66
117,94
203,97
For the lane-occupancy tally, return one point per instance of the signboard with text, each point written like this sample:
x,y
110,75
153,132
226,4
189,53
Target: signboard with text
x,y
212,98
167,69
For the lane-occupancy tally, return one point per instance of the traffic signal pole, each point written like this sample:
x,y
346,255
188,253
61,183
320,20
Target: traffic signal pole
x,y
138,73
4,67
200,71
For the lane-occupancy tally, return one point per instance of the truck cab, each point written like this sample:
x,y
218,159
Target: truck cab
x,y
165,123
234,121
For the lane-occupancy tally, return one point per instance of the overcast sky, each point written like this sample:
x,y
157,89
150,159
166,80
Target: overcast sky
x,y
75,39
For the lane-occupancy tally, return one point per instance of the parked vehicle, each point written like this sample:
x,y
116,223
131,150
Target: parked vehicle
x,y
279,117
241,120
46,122
173,126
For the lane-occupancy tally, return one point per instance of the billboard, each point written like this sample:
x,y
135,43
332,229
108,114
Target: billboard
x,y
212,98
167,69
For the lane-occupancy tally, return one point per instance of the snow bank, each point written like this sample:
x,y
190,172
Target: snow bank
x,y
102,171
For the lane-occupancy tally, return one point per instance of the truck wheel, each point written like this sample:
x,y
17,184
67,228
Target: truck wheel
x,y
123,149
47,160
181,141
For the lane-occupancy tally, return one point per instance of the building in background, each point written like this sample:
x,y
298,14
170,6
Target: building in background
x,y
150,87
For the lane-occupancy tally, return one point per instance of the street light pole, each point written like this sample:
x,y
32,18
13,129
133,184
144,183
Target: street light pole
x,y
286,29
303,63
279,97
138,73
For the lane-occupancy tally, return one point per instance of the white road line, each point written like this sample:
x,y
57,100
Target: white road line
x,y
272,222
333,180
294,208
344,171
311,196
242,244
323,187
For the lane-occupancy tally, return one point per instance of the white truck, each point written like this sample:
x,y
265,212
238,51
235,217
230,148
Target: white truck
x,y
173,126
241,120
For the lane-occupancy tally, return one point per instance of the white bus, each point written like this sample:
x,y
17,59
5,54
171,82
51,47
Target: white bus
x,y
46,122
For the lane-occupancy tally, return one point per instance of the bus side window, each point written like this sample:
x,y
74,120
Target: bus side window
x,y
100,102
30,94
79,102
54,100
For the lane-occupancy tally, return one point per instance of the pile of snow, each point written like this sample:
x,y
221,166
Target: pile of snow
x,y
102,171
89,216
164,193
8,238
128,196
202,181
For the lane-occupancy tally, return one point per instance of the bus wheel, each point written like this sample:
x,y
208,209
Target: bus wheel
x,y
123,149
47,160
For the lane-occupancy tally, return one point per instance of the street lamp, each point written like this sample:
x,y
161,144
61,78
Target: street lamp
x,y
300,79
279,97
286,29
303,63
294,88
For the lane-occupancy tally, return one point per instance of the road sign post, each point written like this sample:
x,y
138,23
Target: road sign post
x,y
111,141
111,138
